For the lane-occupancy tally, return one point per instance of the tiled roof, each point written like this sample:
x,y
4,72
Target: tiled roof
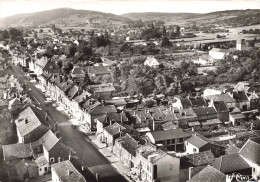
x,y
185,102
114,129
196,141
211,121
168,134
220,106
194,123
14,101
207,174
67,172
84,95
49,140
116,102
251,150
252,96
101,109
42,62
97,70
237,115
197,159
232,149
219,50
186,114
230,163
240,96
169,125
40,161
73,91
18,150
197,101
27,121
154,156
221,97
204,111
117,117
129,144
77,71
234,110
105,87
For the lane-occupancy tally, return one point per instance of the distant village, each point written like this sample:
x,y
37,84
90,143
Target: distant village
x,y
208,134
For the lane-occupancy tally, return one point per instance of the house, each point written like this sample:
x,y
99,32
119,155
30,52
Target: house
x,y
210,124
232,149
207,174
15,105
169,125
182,103
97,71
26,169
217,53
204,60
53,149
109,119
77,72
185,117
65,172
151,62
96,110
196,144
211,91
243,102
205,113
120,104
222,110
28,126
125,148
152,165
112,132
250,153
254,100
16,151
169,139
226,97
45,65
191,164
102,91
236,117
232,163
43,165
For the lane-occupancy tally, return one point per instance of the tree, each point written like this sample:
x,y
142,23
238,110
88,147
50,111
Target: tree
x,y
166,42
164,33
41,31
87,80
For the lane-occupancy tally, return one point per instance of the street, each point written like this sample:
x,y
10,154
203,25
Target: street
x,y
75,139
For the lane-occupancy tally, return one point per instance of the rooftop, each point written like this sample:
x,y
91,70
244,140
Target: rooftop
x,y
196,141
168,134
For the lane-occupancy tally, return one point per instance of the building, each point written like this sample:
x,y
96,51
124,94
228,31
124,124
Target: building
x,y
205,113
236,117
28,126
222,110
102,91
217,53
152,165
232,163
65,172
43,165
26,169
197,144
226,97
169,139
112,132
151,62
250,153
209,173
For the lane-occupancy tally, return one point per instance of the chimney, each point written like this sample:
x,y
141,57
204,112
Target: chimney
x,y
69,172
97,177
190,170
82,168
121,117
153,124
59,159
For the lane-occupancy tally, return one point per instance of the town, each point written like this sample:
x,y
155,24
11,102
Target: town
x,y
140,101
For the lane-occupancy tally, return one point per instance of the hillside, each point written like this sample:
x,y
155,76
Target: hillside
x,y
62,17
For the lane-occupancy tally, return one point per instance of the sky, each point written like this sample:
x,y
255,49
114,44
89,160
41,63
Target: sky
x,y
12,7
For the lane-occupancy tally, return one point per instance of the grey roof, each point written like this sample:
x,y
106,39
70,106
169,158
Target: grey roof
x,y
220,106
49,140
27,121
101,109
237,115
97,70
186,103
67,172
129,144
197,159
40,161
196,141
211,122
154,155
18,150
251,150
168,134
114,129
221,97
207,174
230,163
204,111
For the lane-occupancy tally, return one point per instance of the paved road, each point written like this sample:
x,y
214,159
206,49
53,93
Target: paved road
x,y
77,140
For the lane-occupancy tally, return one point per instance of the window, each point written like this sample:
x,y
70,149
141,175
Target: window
x,y
253,169
187,143
45,169
52,159
194,150
40,169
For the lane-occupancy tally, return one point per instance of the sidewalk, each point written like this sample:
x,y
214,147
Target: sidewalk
x,y
115,161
